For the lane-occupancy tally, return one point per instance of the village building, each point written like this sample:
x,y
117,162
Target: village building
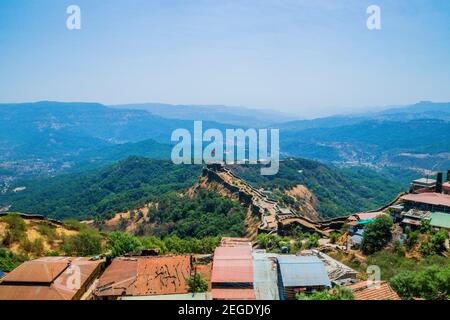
x,y
145,276
376,290
232,276
338,273
440,221
51,278
265,275
423,183
300,274
428,201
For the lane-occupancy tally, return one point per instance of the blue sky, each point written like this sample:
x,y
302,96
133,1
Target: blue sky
x,y
306,57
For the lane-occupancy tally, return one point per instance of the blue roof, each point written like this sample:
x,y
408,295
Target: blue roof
x,y
357,239
303,271
1,274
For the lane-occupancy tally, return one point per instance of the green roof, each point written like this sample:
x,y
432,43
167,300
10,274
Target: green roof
x,y
441,220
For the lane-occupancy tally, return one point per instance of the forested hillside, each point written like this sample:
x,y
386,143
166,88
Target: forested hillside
x,y
339,191
101,193
134,182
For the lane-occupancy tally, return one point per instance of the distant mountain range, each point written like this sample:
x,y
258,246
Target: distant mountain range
x,y
238,116
46,137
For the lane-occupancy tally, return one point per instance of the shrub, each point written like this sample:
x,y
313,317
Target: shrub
x,y
47,231
430,283
337,293
16,229
197,284
86,243
334,236
9,261
313,241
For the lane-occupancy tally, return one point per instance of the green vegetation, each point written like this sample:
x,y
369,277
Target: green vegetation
x,y
121,243
87,242
197,284
337,293
435,244
9,261
377,234
206,214
16,231
339,191
429,283
126,185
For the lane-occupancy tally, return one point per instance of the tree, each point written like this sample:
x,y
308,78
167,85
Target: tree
x,y
197,284
121,243
86,243
377,234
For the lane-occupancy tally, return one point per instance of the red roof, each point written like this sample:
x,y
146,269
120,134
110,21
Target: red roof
x,y
379,290
437,199
229,271
143,276
43,270
365,215
232,264
239,252
48,280
233,294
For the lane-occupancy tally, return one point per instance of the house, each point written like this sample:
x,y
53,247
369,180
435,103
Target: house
x,y
359,220
428,201
414,217
265,275
440,221
300,274
338,272
423,183
51,278
376,290
145,276
232,275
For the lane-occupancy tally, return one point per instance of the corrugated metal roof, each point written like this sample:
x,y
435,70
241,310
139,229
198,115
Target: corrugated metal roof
x,y
186,296
265,276
118,277
379,290
43,270
441,220
65,286
233,294
437,199
233,242
239,253
142,276
302,271
229,271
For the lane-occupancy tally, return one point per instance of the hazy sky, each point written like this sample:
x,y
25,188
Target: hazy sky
x,y
306,57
